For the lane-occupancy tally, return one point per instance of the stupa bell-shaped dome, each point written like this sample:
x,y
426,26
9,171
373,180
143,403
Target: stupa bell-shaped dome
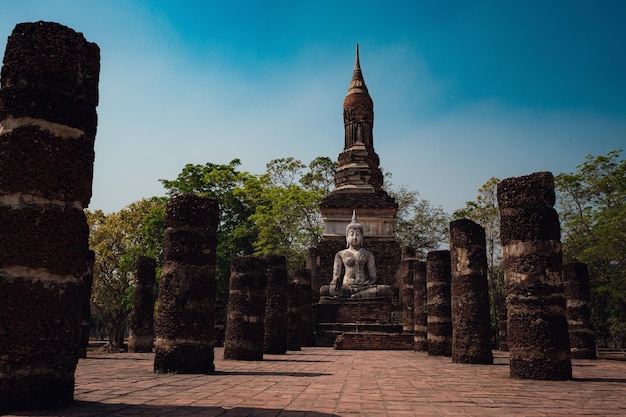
x,y
357,92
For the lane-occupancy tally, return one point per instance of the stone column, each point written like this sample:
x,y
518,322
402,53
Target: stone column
x,y
405,281
503,338
186,313
420,308
471,322
85,304
246,309
300,304
293,318
220,323
531,247
313,265
578,302
141,334
275,340
48,125
439,303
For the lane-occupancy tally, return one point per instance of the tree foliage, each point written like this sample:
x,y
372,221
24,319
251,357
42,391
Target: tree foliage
x,y
117,239
288,218
419,224
276,212
592,209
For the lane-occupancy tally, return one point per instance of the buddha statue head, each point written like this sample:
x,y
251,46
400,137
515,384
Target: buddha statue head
x,y
354,233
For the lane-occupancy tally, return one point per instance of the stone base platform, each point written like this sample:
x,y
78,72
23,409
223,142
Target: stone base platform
x,y
374,341
335,316
353,310
327,333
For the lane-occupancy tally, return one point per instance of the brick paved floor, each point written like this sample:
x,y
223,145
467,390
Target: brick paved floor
x,y
322,382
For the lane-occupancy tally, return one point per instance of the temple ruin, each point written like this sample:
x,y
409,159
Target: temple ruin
x,y
440,306
358,193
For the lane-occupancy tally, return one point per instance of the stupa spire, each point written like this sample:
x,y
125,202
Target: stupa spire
x,y
358,165
357,84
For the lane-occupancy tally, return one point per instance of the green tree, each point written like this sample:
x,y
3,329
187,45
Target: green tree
x,y
419,224
117,239
276,212
592,209
287,213
484,211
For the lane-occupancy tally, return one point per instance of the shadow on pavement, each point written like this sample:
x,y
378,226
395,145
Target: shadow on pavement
x,y
93,409
264,373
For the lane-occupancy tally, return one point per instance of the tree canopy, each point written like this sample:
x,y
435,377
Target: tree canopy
x,y
419,224
591,203
276,212
592,207
117,239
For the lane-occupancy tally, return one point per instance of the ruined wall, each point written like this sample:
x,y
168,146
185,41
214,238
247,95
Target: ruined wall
x,y
48,125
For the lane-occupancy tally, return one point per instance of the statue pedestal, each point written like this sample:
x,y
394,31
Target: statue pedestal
x,y
377,317
374,341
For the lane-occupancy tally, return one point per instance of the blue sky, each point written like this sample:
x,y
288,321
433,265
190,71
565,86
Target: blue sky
x,y
463,90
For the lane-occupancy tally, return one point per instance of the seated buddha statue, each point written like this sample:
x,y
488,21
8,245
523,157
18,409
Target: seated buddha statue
x,y
354,269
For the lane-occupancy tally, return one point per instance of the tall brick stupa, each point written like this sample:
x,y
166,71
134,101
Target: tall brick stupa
x,y
358,188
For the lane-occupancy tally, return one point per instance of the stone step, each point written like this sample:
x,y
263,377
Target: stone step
x,y
374,341
327,333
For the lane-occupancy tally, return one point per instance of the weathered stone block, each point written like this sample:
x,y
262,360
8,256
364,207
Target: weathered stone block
x,y
35,164
374,341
